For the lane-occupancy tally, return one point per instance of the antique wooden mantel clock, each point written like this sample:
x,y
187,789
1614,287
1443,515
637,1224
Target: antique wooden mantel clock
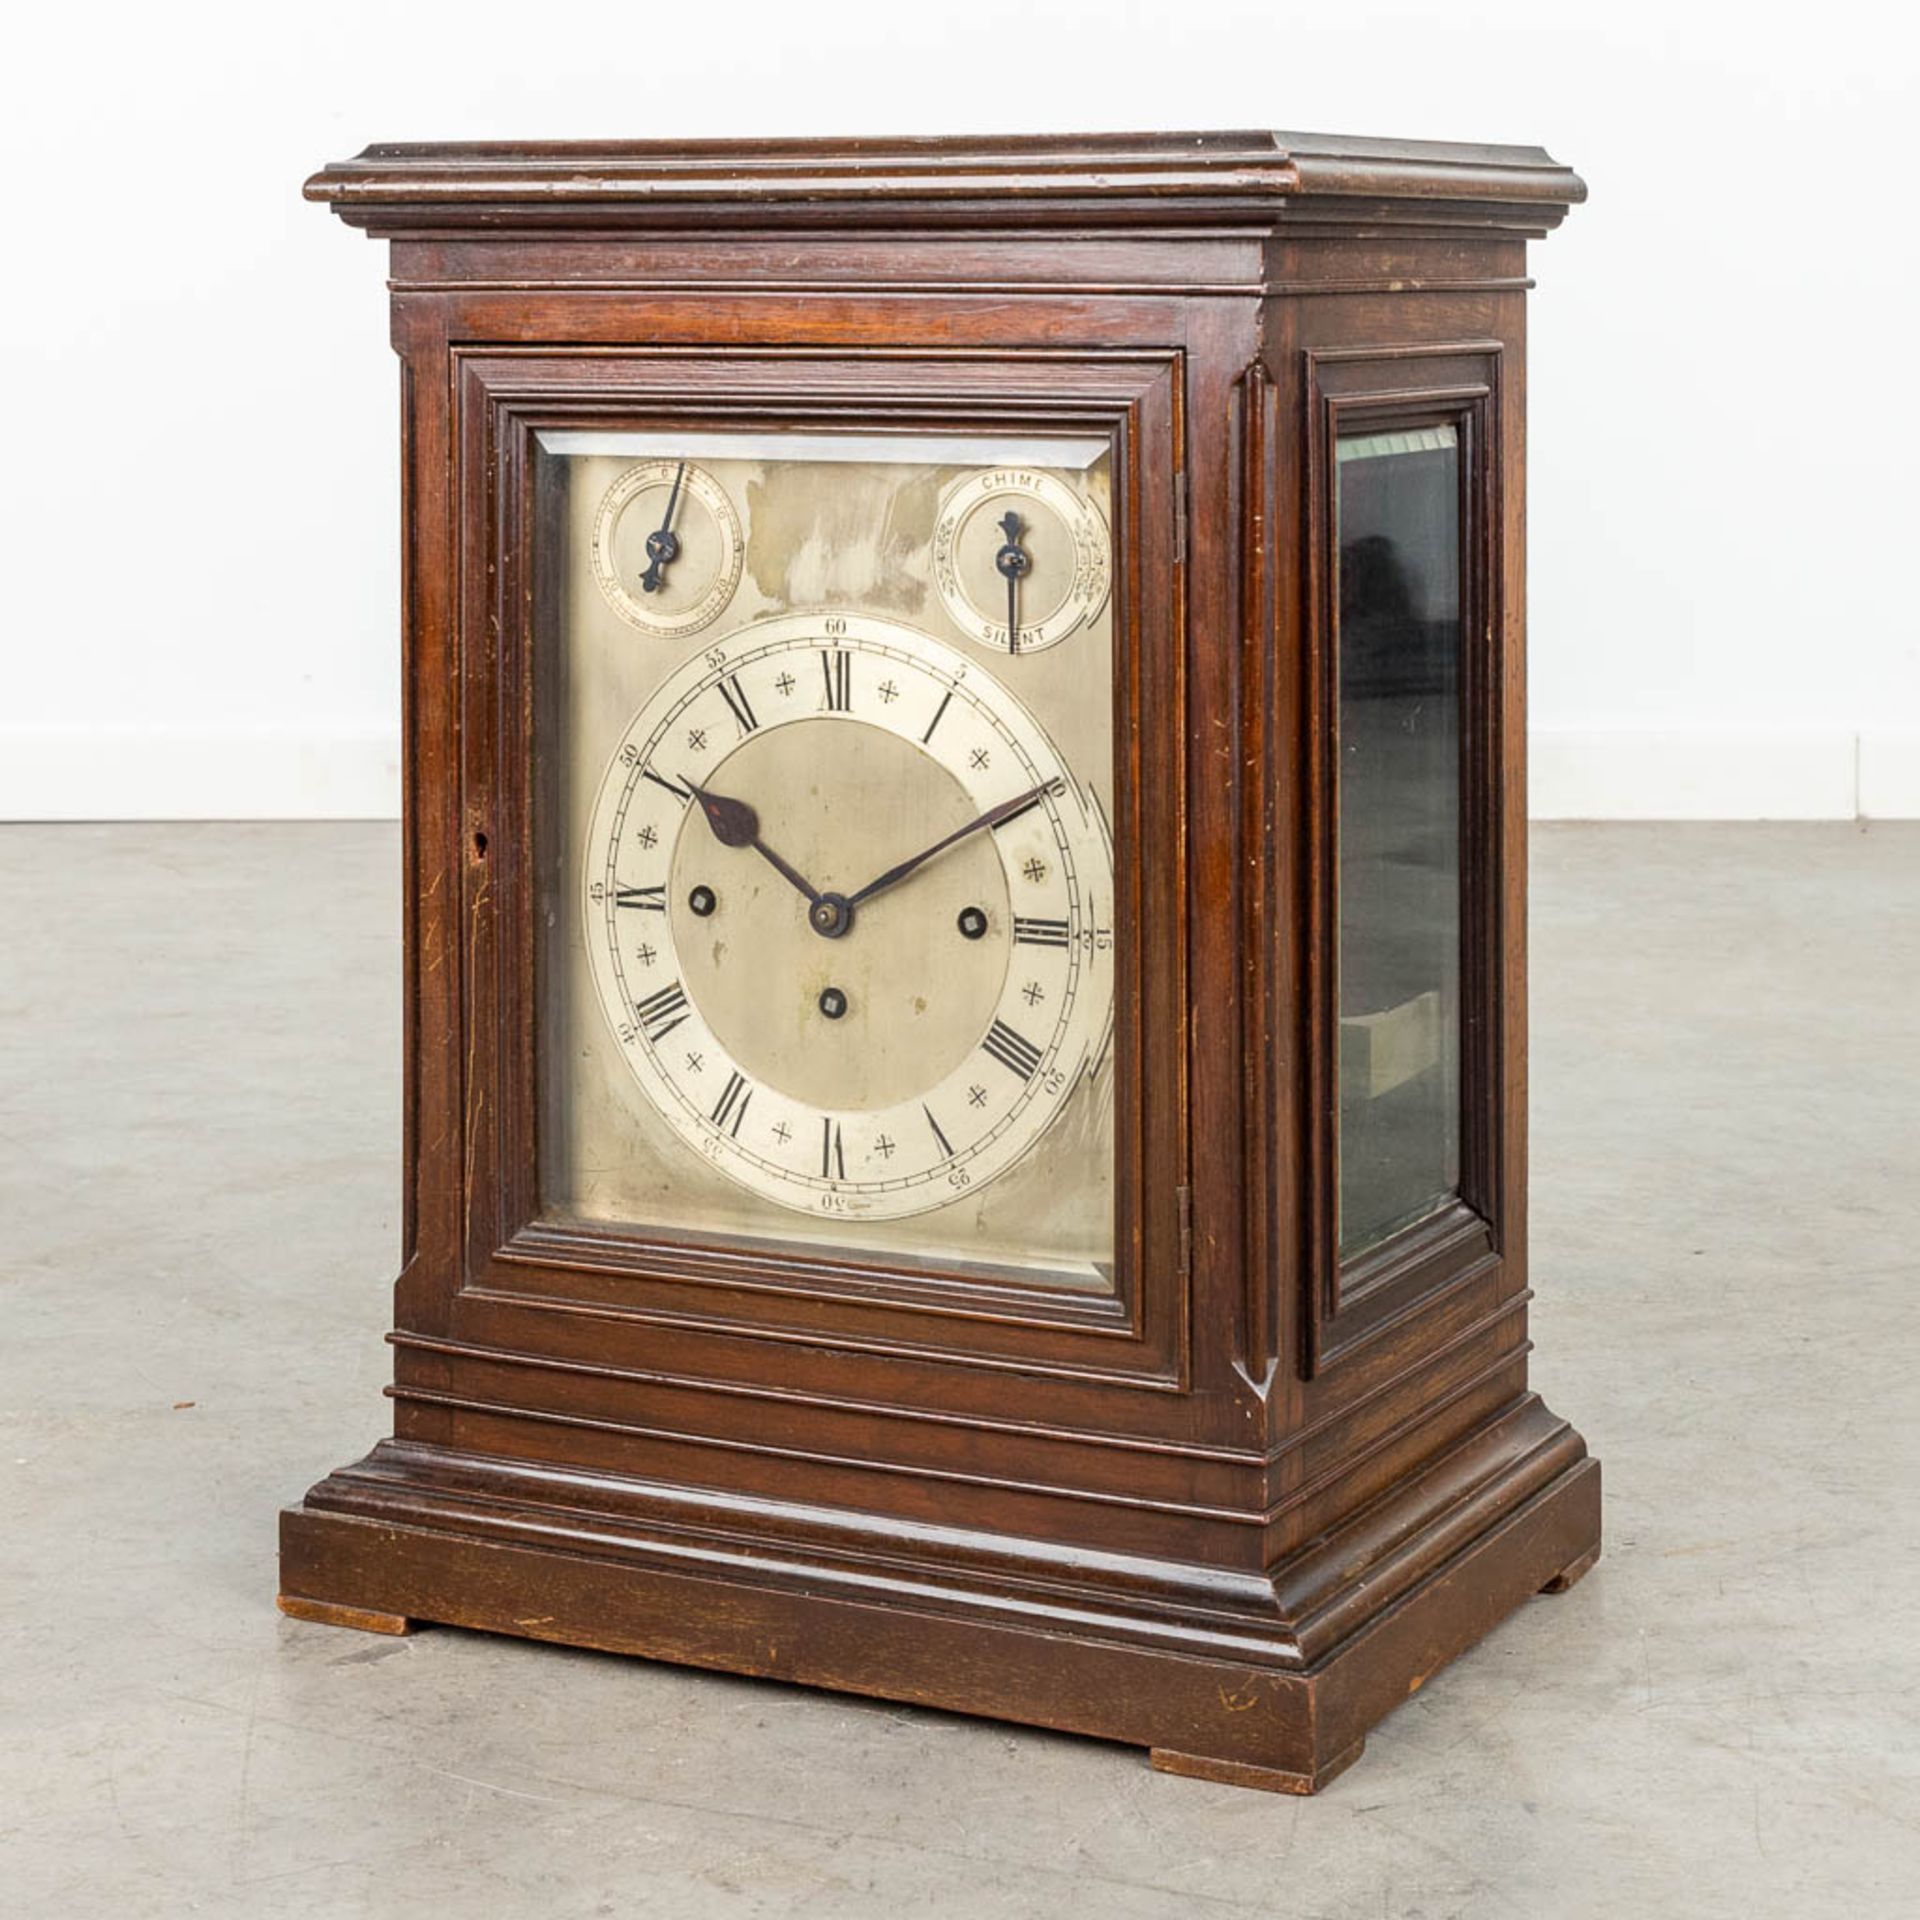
x,y
965,838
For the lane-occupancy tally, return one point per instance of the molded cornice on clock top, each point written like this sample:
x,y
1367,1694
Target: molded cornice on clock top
x,y
1163,180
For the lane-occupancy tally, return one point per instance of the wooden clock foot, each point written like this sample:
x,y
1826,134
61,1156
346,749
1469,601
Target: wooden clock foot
x,y
1240,1773
1571,1574
327,1615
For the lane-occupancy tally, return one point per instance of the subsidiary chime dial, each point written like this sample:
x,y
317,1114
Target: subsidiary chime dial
x,y
850,915
666,547
1020,559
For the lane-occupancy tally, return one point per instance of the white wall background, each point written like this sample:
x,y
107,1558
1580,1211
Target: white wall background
x,y
198,494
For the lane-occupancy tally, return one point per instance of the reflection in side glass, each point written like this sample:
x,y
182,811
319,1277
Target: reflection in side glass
x,y
1398,530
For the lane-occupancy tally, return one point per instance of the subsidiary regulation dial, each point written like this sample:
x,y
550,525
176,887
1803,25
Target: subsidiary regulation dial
x,y
1020,559
667,549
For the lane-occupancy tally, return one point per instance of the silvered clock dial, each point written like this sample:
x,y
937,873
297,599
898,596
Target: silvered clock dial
x,y
829,904
849,912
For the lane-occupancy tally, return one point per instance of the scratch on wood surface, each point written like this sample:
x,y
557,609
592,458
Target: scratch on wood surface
x,y
476,1097
476,1106
1240,1699
432,930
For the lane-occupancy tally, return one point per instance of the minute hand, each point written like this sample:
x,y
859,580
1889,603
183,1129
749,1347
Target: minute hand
x,y
991,818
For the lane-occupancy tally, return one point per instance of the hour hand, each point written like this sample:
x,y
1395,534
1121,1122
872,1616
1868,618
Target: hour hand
x,y
735,824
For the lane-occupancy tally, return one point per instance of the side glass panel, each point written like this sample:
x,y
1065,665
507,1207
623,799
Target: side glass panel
x,y
1399,939
824,783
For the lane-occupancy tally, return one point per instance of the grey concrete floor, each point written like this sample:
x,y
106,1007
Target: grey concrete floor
x,y
198,1137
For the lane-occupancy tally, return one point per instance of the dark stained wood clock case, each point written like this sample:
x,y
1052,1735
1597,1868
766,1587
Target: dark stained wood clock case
x,y
1237,1503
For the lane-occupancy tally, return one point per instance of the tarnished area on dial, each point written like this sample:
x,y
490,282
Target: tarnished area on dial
x,y
860,542
933,1076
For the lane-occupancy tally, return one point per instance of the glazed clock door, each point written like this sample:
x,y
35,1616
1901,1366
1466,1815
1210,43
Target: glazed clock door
x,y
835,954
